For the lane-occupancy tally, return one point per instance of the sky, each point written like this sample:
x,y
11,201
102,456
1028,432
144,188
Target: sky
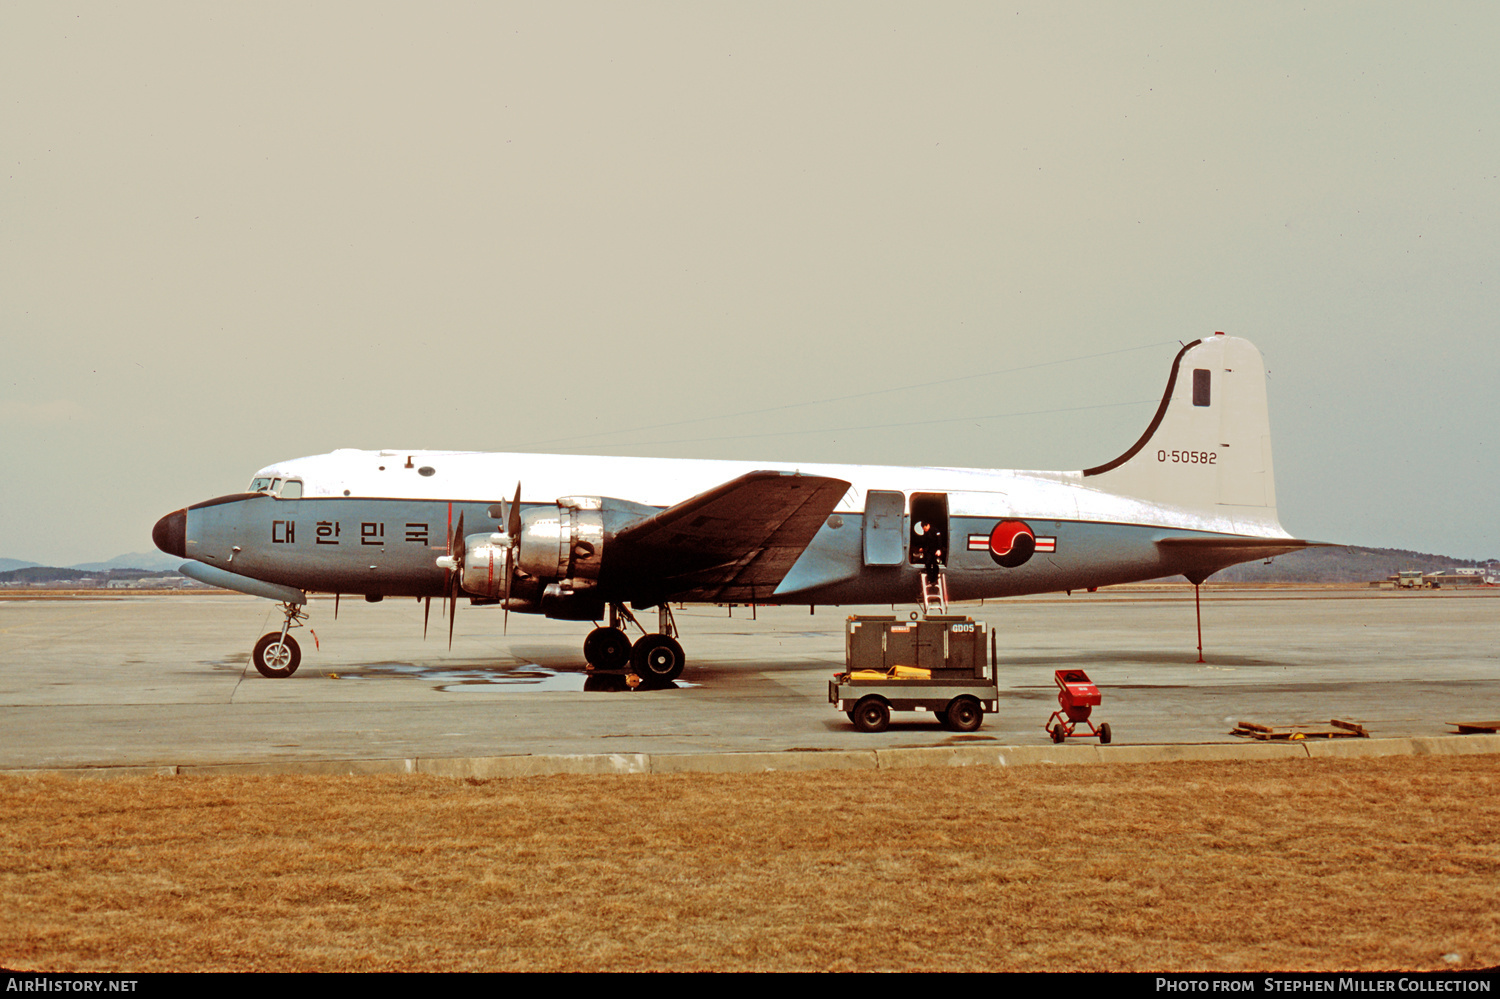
x,y
232,234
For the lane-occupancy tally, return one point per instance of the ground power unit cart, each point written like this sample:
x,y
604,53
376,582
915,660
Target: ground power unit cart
x,y
937,664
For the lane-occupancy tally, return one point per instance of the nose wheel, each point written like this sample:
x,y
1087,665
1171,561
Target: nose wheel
x,y
277,655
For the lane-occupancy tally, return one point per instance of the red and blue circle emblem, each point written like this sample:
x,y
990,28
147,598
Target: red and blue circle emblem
x,y
1012,543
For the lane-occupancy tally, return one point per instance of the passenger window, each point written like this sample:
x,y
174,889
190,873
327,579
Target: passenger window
x,y
292,489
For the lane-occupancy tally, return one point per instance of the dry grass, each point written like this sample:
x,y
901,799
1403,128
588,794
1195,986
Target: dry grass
x,y
1357,864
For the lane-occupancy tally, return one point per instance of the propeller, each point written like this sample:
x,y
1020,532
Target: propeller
x,y
452,563
456,554
512,531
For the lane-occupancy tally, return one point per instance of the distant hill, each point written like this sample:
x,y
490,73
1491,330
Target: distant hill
x,y
1339,564
152,561
9,564
155,561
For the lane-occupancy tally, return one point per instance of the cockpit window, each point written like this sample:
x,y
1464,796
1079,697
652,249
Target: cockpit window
x,y
291,489
259,485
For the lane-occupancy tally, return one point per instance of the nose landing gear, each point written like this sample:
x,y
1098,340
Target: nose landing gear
x,y
277,655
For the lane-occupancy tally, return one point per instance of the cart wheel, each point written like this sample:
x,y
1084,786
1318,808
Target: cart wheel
x,y
964,714
872,714
1059,733
1104,734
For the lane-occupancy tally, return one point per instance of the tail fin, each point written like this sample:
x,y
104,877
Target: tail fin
x,y
1208,449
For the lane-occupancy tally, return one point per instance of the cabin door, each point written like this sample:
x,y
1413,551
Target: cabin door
x,y
928,544
883,527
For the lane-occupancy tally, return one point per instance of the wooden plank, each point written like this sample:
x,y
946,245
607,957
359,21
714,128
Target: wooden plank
x,y
1475,728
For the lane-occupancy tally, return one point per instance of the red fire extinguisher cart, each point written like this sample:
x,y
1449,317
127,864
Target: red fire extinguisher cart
x,y
1077,697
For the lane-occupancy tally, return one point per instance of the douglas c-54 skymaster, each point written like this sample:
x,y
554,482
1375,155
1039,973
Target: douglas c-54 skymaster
x,y
1194,495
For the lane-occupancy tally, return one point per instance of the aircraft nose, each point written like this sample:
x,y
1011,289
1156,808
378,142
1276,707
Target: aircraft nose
x,y
170,533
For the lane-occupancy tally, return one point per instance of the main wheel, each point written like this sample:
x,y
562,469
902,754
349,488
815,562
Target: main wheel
x,y
606,648
1104,734
872,714
964,714
275,656
658,657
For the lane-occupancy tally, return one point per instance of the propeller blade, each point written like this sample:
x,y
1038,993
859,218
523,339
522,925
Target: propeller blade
x,y
426,613
513,522
452,610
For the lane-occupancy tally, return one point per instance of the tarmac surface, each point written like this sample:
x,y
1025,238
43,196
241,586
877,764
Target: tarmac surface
x,y
155,680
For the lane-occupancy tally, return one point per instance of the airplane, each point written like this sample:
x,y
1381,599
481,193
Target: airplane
x,y
596,538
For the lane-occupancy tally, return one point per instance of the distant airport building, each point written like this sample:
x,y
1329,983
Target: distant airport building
x,y
1416,579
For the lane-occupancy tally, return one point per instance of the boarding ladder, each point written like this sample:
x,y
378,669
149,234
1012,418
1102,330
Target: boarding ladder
x,y
935,592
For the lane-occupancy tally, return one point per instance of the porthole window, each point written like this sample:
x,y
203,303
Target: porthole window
x,y
426,470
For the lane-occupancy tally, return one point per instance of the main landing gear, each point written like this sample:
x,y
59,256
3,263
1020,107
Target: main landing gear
x,y
277,654
657,658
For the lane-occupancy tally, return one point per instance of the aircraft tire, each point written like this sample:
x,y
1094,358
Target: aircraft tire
x,y
275,657
607,648
964,714
872,714
658,658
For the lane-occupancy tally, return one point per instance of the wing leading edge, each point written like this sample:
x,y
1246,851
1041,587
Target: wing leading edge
x,y
735,542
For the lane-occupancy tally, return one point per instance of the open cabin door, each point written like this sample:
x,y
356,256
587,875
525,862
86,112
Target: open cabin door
x,y
929,529
883,527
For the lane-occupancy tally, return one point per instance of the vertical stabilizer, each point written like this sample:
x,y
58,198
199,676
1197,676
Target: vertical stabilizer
x,y
1208,449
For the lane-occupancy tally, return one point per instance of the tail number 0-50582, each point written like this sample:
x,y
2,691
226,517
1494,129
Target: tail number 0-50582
x,y
1188,457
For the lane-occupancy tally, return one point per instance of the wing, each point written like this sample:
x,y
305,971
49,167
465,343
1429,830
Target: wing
x,y
735,542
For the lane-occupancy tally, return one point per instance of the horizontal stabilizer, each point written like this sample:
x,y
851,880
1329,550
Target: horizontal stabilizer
x,y
1199,558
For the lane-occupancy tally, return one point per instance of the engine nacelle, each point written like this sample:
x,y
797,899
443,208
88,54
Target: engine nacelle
x,y
487,566
565,543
